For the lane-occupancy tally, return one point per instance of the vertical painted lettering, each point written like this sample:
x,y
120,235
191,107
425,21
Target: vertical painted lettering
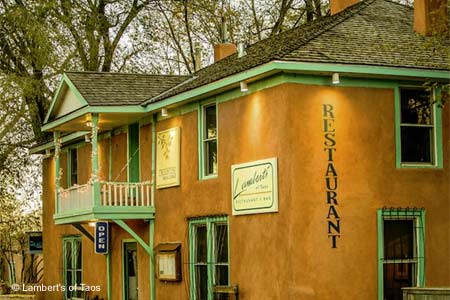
x,y
331,175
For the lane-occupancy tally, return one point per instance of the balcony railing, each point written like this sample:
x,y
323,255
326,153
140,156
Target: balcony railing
x,y
124,200
126,194
75,198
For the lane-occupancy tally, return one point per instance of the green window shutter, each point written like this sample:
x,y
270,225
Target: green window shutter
x,y
133,153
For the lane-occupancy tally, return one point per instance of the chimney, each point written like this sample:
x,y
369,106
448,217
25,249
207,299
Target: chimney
x,y
197,56
223,50
339,5
430,16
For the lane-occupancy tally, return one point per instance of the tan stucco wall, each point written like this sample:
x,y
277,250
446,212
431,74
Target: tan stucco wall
x,y
286,255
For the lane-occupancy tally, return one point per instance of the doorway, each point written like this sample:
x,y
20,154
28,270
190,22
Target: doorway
x,y
130,271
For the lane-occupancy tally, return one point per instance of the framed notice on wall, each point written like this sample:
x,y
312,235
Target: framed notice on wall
x,y
254,187
168,158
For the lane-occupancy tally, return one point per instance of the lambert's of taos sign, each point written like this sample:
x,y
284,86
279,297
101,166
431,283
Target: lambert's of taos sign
x,y
255,187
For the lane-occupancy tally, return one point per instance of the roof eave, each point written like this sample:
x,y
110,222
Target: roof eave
x,y
301,67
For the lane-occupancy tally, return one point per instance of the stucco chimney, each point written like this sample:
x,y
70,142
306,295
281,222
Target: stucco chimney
x,y
339,5
430,16
223,50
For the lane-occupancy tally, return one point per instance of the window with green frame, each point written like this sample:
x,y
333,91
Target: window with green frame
x,y
419,142
209,256
208,140
401,251
72,265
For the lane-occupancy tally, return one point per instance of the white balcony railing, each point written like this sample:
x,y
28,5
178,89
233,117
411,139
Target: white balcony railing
x,y
126,193
122,194
75,198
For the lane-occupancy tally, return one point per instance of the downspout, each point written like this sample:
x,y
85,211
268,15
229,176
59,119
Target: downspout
x,y
152,221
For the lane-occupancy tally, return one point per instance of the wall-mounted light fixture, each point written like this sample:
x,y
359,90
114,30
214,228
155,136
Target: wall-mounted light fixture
x,y
164,112
92,223
87,138
89,124
335,78
244,87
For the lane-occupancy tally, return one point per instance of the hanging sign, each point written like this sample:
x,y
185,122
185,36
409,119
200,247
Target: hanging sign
x,y
101,237
35,242
255,187
168,158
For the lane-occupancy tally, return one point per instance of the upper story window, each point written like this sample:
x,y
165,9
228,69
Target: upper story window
x,y
209,140
419,140
73,166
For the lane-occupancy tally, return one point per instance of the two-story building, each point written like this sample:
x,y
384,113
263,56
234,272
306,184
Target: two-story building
x,y
311,165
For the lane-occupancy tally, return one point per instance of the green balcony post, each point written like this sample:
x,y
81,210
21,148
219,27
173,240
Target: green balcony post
x,y
57,142
95,179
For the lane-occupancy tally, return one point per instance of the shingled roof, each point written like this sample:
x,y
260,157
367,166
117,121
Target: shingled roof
x,y
371,33
103,89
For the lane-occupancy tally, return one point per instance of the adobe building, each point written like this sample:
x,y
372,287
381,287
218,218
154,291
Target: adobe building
x,y
311,165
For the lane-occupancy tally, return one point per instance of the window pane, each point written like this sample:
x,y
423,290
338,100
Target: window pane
x,y
416,108
78,253
211,157
395,277
68,254
68,278
221,243
398,239
201,280
200,244
416,144
221,275
210,122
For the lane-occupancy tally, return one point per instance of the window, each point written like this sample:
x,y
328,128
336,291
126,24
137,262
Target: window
x,y
72,265
73,167
209,257
208,159
419,141
401,251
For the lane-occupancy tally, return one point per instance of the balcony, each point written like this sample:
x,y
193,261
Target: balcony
x,y
105,201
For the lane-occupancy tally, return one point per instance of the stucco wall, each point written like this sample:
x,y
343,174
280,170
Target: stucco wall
x,y
284,255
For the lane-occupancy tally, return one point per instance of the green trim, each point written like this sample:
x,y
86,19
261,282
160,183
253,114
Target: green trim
x,y
136,236
380,252
73,115
362,69
313,68
105,213
64,139
152,259
201,149
209,223
437,131
124,284
93,109
95,164
110,162
56,137
419,217
133,141
108,276
71,86
72,240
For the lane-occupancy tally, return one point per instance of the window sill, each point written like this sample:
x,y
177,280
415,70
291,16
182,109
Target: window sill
x,y
215,176
418,166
